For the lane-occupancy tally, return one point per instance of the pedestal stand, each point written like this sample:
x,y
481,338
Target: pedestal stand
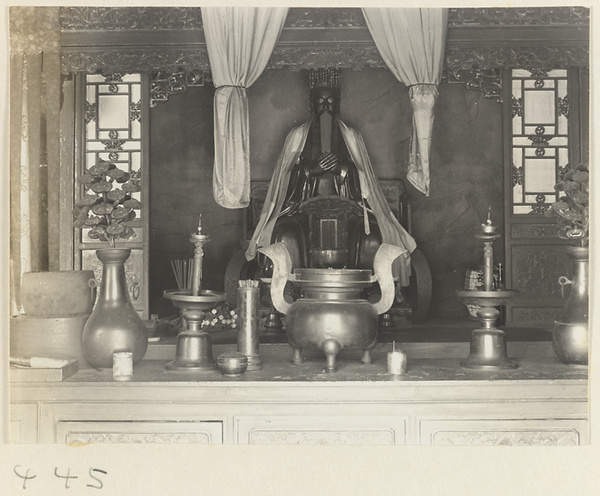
x,y
194,346
193,350
488,346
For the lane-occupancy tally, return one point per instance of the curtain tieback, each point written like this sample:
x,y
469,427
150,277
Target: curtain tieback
x,y
230,86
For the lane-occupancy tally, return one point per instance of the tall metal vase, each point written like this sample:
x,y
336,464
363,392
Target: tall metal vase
x,y
570,331
114,324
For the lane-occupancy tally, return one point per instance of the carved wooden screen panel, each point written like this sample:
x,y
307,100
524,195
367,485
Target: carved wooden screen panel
x,y
541,142
540,137
114,130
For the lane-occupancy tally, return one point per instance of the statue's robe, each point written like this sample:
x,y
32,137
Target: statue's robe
x,y
391,230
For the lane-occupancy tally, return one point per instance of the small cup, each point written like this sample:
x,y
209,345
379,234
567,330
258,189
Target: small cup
x,y
122,366
232,363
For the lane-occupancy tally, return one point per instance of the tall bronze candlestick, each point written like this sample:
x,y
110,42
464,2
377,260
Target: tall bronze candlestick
x,y
193,350
488,345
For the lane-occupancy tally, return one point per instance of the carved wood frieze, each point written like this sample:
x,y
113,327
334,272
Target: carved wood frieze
x,y
534,231
488,81
354,56
508,438
119,18
126,18
324,18
164,84
303,45
139,437
547,57
519,16
356,437
531,314
476,65
134,60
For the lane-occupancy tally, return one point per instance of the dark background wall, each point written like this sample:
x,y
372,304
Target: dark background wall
x,y
466,171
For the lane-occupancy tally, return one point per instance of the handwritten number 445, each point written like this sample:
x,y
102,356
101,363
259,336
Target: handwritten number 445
x,y
94,481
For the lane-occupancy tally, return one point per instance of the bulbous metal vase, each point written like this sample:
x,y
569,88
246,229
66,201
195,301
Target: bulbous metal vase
x,y
570,330
114,324
331,315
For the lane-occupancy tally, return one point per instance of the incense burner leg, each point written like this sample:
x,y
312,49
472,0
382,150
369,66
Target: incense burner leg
x,y
366,358
297,358
331,348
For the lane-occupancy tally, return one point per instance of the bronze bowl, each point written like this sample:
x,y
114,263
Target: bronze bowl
x,y
232,363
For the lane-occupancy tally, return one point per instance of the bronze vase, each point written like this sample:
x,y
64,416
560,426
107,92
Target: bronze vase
x,y
570,331
114,325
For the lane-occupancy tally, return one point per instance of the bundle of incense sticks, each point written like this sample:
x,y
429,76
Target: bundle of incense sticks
x,y
248,283
183,272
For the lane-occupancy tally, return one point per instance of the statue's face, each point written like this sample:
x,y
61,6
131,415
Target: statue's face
x,y
324,100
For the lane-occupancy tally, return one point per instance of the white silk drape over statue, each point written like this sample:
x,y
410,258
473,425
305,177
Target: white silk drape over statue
x,y
411,42
239,41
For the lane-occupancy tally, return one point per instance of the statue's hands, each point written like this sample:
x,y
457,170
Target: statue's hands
x,y
328,161
344,169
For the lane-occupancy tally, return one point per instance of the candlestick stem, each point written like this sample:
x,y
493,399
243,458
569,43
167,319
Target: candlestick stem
x,y
197,271
488,266
199,240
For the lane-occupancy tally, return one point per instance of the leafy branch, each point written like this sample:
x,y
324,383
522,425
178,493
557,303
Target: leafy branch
x,y
107,209
571,211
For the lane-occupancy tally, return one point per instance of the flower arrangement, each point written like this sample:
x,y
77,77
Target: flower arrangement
x,y
107,209
571,211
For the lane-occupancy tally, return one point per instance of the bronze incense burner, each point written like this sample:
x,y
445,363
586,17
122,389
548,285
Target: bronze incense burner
x,y
332,313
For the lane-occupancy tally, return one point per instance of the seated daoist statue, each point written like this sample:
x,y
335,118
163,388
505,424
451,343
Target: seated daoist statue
x,y
324,201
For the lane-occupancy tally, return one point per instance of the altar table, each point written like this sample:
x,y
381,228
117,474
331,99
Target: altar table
x,y
543,402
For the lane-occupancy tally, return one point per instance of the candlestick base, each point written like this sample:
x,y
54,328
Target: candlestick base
x,y
488,345
193,350
488,351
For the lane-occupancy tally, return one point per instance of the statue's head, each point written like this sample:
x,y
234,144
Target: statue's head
x,y
324,99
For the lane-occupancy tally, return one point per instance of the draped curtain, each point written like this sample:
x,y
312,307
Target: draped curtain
x,y
34,145
411,42
239,41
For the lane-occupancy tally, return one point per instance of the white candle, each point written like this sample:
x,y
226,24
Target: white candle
x,y
200,224
396,361
122,366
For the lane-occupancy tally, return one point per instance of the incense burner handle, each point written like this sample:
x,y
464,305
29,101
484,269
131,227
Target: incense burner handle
x,y
382,266
282,268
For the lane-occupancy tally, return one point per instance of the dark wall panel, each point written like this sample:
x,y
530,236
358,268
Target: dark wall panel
x,y
181,162
466,178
